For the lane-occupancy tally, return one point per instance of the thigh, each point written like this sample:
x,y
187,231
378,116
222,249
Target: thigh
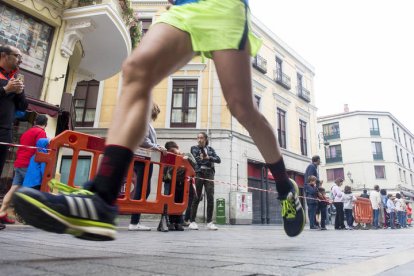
x,y
233,69
163,50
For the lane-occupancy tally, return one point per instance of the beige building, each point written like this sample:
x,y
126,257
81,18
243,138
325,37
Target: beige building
x,y
65,45
191,101
367,148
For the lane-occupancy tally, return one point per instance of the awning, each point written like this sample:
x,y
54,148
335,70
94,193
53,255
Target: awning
x,y
42,107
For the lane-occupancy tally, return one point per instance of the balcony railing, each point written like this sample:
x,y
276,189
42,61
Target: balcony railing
x,y
332,136
260,64
336,159
303,93
378,156
374,132
282,79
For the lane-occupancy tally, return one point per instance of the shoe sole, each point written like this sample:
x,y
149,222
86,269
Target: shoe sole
x,y
40,216
294,234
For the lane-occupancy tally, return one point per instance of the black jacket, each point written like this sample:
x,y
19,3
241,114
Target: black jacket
x,y
9,103
196,151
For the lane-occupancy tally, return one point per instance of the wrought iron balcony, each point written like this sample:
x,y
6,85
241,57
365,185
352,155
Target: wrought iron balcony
x,y
335,159
332,136
378,156
374,132
303,93
282,79
260,63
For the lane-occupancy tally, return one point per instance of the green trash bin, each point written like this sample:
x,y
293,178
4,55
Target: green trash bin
x,y
220,211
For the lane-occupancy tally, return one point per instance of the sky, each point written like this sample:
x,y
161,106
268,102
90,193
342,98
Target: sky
x,y
362,51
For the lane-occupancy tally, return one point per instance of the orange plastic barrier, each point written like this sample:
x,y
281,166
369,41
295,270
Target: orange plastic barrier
x,y
93,146
363,210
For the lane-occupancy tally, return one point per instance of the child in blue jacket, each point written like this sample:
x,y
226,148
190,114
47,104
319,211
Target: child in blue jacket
x,y
35,171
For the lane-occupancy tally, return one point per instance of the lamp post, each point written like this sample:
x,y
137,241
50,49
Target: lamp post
x,y
349,174
322,140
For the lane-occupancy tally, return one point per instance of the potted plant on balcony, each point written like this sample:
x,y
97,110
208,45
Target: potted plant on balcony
x,y
82,3
131,21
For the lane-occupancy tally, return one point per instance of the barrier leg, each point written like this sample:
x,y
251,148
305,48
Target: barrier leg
x,y
163,225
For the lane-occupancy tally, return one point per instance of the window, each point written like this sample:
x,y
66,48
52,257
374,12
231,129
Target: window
x,y
396,151
399,170
303,140
281,127
379,172
411,179
405,140
332,174
257,101
82,169
411,145
184,103
278,69
377,151
331,131
402,158
333,154
86,96
145,25
393,131
405,177
408,161
398,132
374,127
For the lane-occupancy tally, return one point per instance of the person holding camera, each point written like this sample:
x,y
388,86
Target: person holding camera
x,y
205,157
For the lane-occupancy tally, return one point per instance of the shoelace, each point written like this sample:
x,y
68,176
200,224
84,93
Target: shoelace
x,y
288,208
68,190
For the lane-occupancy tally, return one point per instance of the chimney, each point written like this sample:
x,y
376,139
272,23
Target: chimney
x,y
346,108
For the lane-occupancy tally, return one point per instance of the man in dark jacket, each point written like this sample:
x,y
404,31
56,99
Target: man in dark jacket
x,y
12,97
205,157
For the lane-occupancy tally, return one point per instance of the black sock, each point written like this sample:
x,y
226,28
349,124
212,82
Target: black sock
x,y
111,172
278,170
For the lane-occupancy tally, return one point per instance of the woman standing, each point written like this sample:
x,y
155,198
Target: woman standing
x,y
338,203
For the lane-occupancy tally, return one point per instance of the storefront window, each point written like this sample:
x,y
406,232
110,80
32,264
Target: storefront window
x,y
32,37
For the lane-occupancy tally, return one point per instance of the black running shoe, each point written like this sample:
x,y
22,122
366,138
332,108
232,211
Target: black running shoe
x,y
85,216
292,212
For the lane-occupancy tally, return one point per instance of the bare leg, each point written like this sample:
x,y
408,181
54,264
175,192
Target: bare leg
x,y
233,69
7,199
163,50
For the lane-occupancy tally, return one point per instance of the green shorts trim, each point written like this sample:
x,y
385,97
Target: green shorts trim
x,y
213,25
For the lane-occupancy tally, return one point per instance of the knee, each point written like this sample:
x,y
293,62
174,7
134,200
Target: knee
x,y
134,70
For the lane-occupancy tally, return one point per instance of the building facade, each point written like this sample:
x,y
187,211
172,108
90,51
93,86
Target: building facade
x,y
367,148
191,101
63,43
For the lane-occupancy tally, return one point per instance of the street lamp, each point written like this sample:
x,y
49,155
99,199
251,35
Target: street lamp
x,y
349,174
322,140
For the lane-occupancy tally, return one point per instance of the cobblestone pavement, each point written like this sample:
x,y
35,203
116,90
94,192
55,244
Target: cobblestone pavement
x,y
232,250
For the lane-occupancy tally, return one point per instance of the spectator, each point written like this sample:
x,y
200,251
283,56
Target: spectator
x,y
338,203
176,221
36,170
349,199
383,211
150,142
206,157
364,194
404,213
323,204
312,169
12,98
375,199
399,209
409,214
391,210
312,200
29,138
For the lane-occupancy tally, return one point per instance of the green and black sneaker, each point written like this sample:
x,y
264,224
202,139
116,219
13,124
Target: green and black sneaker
x,y
62,188
85,216
292,212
